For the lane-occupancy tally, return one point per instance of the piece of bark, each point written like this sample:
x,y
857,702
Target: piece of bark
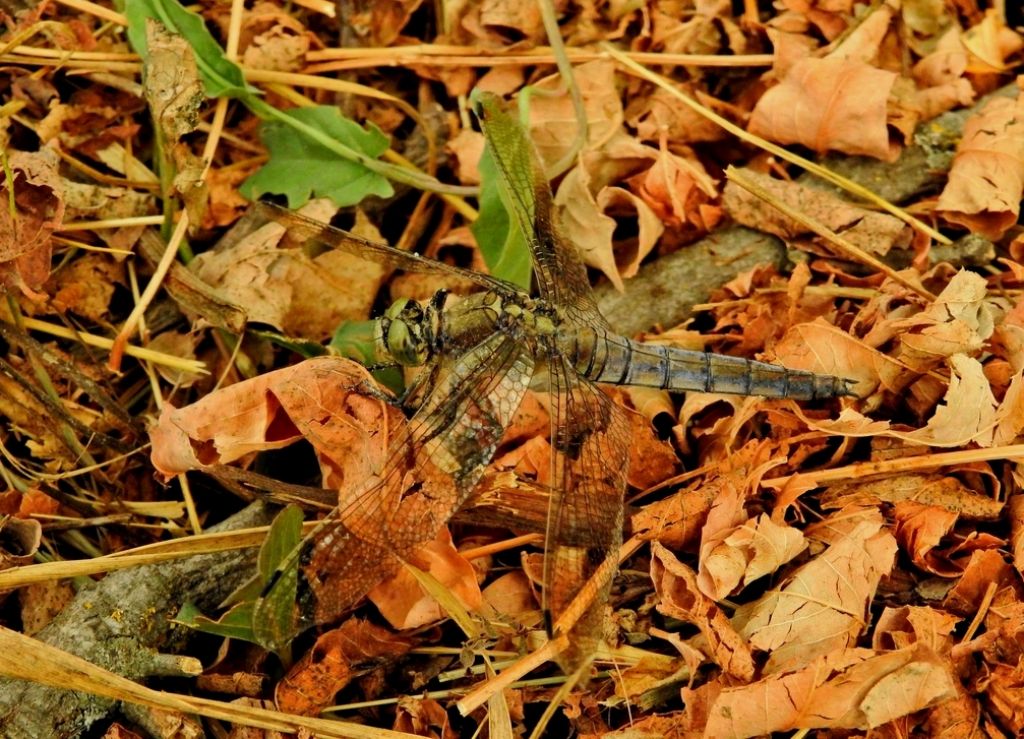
x,y
191,293
665,290
123,624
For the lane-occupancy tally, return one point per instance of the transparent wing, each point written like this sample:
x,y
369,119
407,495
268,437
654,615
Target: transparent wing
x,y
590,440
307,229
431,468
561,275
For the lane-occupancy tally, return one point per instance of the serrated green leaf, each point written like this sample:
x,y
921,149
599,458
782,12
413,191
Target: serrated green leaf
x,y
300,168
221,77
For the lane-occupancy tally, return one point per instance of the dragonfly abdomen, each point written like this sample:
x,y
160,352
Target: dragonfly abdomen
x,y
605,357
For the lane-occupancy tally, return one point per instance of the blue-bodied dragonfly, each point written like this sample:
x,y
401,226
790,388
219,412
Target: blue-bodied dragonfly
x,y
479,355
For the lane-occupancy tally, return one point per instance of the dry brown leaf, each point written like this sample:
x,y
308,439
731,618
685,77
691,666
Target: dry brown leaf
x,y
919,530
935,490
823,104
899,628
517,19
986,180
311,684
851,689
735,548
991,43
274,410
1015,506
590,189
679,191
957,322
288,289
510,597
875,233
553,123
822,605
402,601
86,285
273,40
986,570
660,116
425,717
677,520
26,228
680,597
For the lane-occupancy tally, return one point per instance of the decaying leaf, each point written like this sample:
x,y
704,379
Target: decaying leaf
x,y
987,179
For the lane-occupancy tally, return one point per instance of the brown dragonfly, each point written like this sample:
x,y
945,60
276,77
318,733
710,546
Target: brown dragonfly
x,y
479,356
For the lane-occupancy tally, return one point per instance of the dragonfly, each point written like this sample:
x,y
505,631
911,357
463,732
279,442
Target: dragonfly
x,y
479,354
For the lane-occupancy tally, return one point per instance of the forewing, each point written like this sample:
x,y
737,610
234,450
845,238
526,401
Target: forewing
x,y
431,469
306,229
561,275
590,443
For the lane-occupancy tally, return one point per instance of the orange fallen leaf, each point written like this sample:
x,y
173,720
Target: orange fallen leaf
x,y
311,684
834,103
851,689
276,409
986,180
402,601
34,210
680,597
822,605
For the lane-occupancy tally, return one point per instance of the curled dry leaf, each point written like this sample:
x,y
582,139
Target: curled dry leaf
x,y
822,605
553,123
311,684
987,178
587,199
423,717
679,191
680,597
1016,509
401,599
919,530
829,104
934,490
298,292
25,230
273,40
276,409
899,628
967,414
957,322
736,548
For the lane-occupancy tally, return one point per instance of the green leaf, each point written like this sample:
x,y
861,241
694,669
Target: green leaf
x,y
503,246
358,340
274,616
300,168
305,348
235,624
269,622
284,536
221,77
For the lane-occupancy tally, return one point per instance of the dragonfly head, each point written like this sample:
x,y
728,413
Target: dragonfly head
x,y
406,334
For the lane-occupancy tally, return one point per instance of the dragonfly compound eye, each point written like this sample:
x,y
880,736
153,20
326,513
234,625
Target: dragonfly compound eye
x,y
403,336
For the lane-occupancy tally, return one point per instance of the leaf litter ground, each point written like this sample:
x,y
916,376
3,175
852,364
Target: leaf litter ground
x,y
848,568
